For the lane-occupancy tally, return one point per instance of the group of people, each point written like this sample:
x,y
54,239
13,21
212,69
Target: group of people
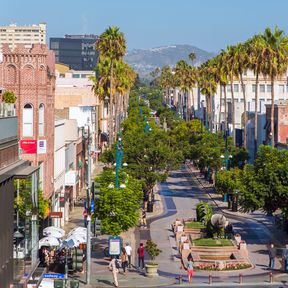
x,y
124,261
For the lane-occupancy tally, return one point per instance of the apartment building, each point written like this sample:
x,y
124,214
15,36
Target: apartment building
x,y
27,35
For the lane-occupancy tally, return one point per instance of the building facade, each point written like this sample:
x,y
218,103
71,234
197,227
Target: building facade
x,y
29,73
12,168
27,35
77,51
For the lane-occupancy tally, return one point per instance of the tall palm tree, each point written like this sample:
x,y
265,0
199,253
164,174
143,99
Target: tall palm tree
x,y
255,50
112,45
182,74
242,61
165,82
231,68
276,51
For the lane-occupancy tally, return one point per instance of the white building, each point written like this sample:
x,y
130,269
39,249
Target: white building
x,y
59,202
27,35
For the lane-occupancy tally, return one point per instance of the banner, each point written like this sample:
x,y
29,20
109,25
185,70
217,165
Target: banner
x,y
28,146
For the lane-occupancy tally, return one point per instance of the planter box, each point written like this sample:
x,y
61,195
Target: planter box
x,y
151,270
183,239
242,246
238,239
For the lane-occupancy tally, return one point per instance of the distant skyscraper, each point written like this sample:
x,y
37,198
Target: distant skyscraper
x,y
27,35
77,51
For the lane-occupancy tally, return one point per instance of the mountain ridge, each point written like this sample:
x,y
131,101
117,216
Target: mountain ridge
x,y
145,60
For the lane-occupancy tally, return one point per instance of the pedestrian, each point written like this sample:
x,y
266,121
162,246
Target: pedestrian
x,y
140,253
128,249
272,256
143,218
124,260
285,258
85,217
114,267
189,269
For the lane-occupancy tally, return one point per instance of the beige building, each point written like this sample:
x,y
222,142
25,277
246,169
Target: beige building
x,y
27,35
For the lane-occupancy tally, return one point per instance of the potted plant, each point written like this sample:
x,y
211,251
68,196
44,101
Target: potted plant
x,y
153,251
9,97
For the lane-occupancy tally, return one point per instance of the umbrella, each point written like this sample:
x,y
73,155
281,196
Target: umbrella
x,y
78,230
78,238
49,241
52,229
53,233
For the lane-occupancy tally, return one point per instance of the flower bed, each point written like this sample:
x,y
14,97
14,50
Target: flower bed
x,y
228,266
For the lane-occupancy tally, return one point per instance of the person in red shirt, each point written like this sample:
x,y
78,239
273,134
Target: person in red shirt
x,y
140,253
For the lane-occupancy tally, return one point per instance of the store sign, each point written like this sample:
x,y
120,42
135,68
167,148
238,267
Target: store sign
x,y
53,276
41,146
55,214
28,146
114,245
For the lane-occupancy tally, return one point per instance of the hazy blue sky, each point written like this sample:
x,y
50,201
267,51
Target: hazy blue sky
x,y
208,24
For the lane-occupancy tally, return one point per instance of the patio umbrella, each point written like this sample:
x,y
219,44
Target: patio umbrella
x,y
49,241
53,233
53,228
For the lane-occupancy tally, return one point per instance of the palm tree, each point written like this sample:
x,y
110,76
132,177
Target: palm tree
x,y
165,81
242,62
276,51
231,68
182,74
193,77
112,45
255,50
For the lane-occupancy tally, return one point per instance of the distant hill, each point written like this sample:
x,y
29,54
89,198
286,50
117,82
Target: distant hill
x,y
146,60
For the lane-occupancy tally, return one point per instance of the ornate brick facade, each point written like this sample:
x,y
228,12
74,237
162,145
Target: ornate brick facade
x,y
29,73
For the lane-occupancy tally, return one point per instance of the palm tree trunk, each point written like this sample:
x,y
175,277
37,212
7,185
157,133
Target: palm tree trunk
x,y
187,101
111,107
245,111
272,113
233,110
193,102
256,115
220,108
225,107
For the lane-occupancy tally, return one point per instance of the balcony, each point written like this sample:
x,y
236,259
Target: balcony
x,y
8,128
7,110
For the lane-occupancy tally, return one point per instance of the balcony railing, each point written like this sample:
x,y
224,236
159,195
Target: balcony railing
x,y
7,110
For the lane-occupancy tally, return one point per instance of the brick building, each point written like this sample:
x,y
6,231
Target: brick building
x,y
29,73
280,122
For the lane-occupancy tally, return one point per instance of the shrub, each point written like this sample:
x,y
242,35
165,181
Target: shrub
x,y
9,97
152,249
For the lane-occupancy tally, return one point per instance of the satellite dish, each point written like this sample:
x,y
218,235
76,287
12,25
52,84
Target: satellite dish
x,y
218,220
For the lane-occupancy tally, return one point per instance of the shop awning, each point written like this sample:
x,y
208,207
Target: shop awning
x,y
24,172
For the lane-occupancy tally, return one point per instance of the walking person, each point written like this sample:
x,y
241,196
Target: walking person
x,y
128,249
114,267
141,253
285,258
272,256
124,260
189,269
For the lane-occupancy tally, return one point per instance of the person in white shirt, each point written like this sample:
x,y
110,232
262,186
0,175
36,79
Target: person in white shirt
x,y
128,249
115,270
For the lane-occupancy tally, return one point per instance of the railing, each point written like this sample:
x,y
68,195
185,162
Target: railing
x,y
7,110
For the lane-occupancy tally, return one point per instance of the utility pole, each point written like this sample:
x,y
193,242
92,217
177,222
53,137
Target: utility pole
x,y
88,242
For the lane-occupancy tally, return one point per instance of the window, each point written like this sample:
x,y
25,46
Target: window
x,y
236,87
269,88
262,100
286,88
76,76
242,88
41,120
281,89
27,120
228,88
254,88
222,102
242,100
54,45
262,88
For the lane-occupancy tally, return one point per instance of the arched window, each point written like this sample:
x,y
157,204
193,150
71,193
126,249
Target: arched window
x,y
41,120
27,120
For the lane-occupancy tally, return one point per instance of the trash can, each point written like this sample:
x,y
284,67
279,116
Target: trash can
x,y
58,283
74,283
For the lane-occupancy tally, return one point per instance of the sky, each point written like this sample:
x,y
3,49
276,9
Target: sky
x,y
208,24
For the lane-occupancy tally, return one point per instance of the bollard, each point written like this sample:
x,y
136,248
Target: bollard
x,y
271,277
180,279
210,279
240,278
